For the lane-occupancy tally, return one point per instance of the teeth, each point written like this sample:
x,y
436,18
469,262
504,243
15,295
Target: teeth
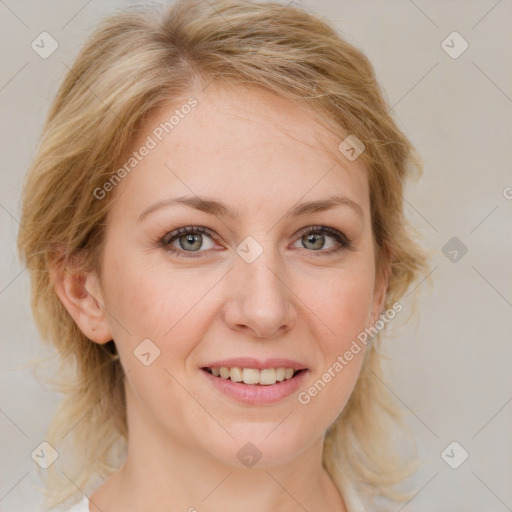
x,y
253,376
236,374
268,376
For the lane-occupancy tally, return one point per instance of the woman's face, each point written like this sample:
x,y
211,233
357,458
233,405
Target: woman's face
x,y
250,288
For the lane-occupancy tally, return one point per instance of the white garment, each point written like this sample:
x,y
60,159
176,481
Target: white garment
x,y
352,501
83,506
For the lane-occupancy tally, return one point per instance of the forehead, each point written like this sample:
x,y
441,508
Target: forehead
x,y
243,142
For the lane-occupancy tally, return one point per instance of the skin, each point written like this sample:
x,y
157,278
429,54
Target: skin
x,y
261,155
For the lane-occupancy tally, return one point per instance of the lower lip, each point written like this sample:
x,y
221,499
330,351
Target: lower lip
x,y
257,394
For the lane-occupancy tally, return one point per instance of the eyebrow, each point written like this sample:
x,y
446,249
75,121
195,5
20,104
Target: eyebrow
x,y
217,208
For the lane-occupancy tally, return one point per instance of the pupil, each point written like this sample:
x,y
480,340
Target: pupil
x,y
314,238
190,241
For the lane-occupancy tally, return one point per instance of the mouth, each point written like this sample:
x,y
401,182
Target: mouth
x,y
254,376
253,381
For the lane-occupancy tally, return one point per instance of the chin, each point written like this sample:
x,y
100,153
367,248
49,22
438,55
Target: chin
x,y
260,447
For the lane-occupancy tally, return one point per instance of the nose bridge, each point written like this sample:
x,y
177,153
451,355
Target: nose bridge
x,y
260,296
263,277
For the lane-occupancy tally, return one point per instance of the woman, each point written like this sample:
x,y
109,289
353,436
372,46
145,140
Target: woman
x,y
215,232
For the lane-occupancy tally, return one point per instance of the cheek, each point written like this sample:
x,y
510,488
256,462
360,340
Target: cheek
x,y
343,305
153,301
343,309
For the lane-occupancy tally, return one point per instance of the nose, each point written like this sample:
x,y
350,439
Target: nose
x,y
260,302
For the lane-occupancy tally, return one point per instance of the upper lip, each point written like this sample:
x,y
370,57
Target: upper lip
x,y
259,364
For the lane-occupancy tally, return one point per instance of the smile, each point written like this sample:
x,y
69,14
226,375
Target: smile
x,y
253,376
254,386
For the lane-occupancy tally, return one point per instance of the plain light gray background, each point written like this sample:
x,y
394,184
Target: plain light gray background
x,y
451,367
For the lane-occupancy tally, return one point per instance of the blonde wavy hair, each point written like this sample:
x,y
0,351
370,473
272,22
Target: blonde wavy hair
x,y
135,62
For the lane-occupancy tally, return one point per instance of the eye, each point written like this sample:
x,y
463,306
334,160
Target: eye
x,y
188,240
316,238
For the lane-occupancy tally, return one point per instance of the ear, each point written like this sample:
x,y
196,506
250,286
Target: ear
x,y
80,294
381,286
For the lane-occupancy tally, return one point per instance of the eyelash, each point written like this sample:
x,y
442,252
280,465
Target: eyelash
x,y
341,238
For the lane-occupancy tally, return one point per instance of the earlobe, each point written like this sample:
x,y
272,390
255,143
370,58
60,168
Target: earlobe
x,y
80,294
